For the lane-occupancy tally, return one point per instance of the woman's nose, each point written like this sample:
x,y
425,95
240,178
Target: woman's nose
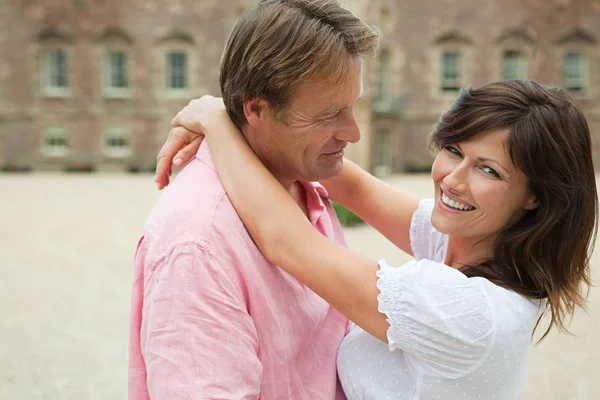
x,y
456,180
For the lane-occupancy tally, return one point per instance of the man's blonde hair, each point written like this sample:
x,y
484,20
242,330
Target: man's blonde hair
x,y
279,43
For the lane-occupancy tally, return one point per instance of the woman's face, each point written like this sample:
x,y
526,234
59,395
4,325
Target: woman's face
x,y
479,191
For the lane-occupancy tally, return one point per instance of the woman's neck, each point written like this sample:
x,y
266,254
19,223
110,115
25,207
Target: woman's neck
x,y
464,250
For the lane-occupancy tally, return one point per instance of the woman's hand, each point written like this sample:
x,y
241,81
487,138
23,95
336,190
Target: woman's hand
x,y
189,128
181,145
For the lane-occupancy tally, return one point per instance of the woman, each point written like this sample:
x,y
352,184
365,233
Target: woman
x,y
507,237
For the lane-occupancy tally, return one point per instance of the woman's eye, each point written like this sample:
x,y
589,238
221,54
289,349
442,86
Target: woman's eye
x,y
491,172
453,150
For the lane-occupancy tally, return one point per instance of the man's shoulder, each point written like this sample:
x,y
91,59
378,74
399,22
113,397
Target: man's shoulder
x,y
195,191
192,207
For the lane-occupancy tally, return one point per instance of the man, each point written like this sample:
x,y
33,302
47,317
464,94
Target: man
x,y
210,317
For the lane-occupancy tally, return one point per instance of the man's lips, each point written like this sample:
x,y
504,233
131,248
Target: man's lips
x,y
336,151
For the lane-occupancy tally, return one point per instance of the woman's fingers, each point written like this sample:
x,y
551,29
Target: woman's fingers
x,y
178,138
181,146
165,156
189,151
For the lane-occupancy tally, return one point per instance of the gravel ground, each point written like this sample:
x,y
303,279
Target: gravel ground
x,y
66,267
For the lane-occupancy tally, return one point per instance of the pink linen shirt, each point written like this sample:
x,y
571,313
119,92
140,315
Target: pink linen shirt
x,y
211,318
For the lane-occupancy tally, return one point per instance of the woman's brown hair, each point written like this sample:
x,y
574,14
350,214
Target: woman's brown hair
x,y
546,254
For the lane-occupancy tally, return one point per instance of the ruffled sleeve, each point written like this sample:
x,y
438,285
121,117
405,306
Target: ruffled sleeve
x,y
437,316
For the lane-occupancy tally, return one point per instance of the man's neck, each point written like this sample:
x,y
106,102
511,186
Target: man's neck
x,y
292,186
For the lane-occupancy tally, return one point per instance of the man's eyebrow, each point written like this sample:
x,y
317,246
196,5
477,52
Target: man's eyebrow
x,y
334,109
331,110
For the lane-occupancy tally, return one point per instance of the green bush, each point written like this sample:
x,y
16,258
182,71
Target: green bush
x,y
417,168
142,169
9,167
346,217
80,167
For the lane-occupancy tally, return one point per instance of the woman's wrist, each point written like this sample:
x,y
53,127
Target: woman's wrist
x,y
217,121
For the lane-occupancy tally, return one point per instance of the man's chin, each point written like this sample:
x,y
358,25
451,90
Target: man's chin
x,y
330,172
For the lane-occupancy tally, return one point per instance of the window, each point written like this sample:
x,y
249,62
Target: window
x,y
56,142
513,65
574,70
383,75
117,70
177,70
56,69
116,142
382,153
451,71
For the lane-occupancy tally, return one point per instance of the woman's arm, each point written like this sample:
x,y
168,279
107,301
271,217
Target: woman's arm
x,y
341,277
379,204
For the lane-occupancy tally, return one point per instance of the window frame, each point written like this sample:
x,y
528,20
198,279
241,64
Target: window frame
x,y
460,66
584,72
50,90
522,64
109,89
170,69
53,151
382,162
384,61
116,131
176,42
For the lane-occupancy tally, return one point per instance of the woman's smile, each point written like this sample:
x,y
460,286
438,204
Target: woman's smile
x,y
452,204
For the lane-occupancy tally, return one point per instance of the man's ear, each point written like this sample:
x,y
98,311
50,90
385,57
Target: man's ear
x,y
532,203
254,111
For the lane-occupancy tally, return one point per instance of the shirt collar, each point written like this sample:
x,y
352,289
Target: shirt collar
x,y
316,195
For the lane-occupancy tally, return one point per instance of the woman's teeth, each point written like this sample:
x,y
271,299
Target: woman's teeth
x,y
455,204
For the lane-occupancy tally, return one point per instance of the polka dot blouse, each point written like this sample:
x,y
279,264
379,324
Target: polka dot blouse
x,y
450,337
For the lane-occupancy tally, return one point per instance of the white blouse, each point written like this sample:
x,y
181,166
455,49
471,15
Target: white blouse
x,y
450,337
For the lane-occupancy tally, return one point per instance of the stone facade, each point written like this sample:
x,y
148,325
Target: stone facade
x,y
58,109
418,33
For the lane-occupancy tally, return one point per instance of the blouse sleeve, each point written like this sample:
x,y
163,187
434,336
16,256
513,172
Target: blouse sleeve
x,y
426,241
437,316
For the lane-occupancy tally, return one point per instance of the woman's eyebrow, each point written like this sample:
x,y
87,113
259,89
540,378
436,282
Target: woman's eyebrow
x,y
487,159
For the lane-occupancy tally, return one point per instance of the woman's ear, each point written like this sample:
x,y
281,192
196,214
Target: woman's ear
x,y
532,203
254,111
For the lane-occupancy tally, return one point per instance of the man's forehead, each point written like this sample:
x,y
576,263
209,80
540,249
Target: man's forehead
x,y
332,92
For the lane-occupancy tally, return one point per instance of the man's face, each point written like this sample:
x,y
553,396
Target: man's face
x,y
307,141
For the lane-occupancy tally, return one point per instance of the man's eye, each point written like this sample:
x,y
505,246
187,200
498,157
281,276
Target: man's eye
x,y
329,118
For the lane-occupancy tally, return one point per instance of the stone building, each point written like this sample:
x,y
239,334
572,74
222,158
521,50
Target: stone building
x,y
87,84
432,48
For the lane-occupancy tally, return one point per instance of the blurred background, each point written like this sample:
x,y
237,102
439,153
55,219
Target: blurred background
x,y
87,91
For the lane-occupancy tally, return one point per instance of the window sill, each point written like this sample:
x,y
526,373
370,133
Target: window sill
x,y
57,93
117,153
55,153
582,91
447,94
117,93
177,93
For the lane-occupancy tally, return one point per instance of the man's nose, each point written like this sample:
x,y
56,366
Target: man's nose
x,y
350,132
